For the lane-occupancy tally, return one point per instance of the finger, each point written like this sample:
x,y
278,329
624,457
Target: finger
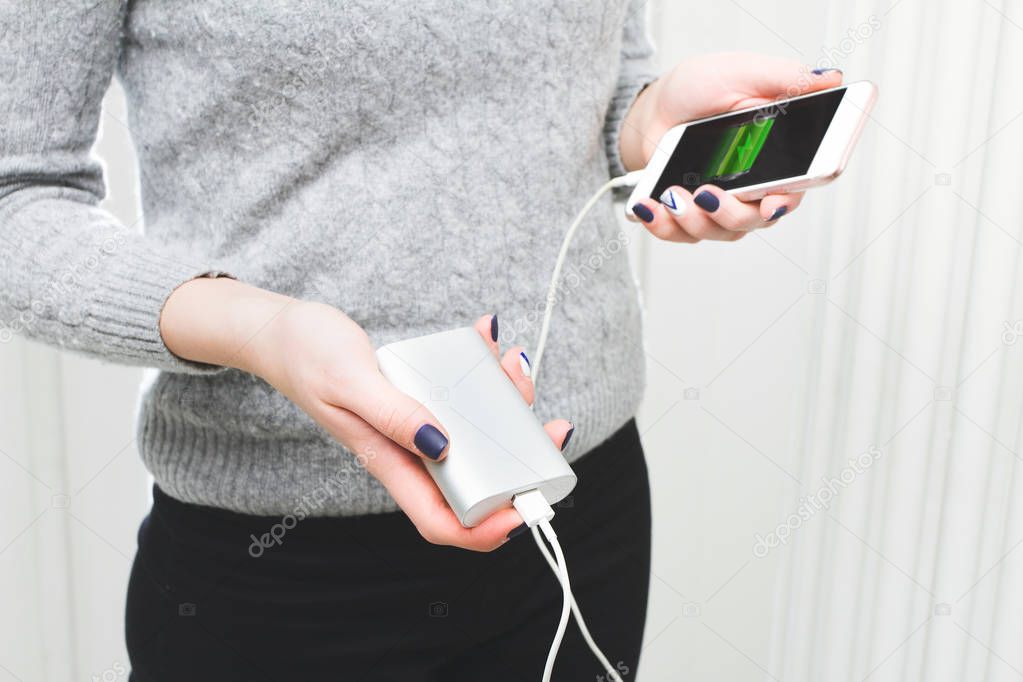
x,y
560,431
414,490
691,219
411,486
824,77
727,211
488,328
398,416
774,206
771,77
495,530
515,364
422,501
346,427
659,222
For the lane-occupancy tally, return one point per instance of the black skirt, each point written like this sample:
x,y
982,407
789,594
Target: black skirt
x,y
366,598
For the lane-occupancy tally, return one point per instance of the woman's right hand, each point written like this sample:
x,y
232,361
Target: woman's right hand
x,y
324,362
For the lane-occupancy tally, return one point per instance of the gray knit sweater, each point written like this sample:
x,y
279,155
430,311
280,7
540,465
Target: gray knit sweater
x,y
412,163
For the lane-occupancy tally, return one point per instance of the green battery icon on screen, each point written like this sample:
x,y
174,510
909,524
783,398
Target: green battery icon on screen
x,y
738,150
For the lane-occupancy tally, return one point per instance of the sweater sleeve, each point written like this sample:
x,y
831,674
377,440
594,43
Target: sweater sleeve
x,y
71,274
637,70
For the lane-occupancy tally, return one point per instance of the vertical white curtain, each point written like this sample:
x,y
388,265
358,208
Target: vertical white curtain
x,y
881,323
914,571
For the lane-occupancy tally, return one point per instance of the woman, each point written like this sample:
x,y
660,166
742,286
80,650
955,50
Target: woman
x,y
318,180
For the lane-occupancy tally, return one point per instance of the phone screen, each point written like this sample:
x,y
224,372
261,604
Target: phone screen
x,y
774,142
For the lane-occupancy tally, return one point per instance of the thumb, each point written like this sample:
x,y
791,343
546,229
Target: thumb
x,y
769,77
400,417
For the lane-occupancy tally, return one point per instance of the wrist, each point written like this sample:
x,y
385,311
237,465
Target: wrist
x,y
640,130
221,321
256,320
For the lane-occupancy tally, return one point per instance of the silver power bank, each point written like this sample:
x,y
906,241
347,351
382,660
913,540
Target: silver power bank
x,y
498,448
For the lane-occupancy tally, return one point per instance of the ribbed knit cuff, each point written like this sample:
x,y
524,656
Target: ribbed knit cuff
x,y
78,279
126,305
616,113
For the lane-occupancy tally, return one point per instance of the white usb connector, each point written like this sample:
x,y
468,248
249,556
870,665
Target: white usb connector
x,y
532,506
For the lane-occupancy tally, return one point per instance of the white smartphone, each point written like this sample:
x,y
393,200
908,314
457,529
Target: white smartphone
x,y
784,146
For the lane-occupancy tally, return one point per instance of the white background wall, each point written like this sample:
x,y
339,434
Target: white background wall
x,y
882,317
770,361
729,322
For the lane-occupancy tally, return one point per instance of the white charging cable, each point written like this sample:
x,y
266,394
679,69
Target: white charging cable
x,y
566,591
626,180
537,513
532,505
587,637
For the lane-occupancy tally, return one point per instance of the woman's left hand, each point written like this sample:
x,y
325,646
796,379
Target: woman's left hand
x,y
700,87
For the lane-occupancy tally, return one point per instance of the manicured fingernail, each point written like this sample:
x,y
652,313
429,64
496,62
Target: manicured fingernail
x,y
430,441
821,72
493,328
643,213
707,201
524,365
778,213
568,437
673,203
518,530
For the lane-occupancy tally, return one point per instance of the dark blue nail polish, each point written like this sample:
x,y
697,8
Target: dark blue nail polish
x,y
820,72
568,437
430,441
778,213
707,201
643,213
518,530
493,328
